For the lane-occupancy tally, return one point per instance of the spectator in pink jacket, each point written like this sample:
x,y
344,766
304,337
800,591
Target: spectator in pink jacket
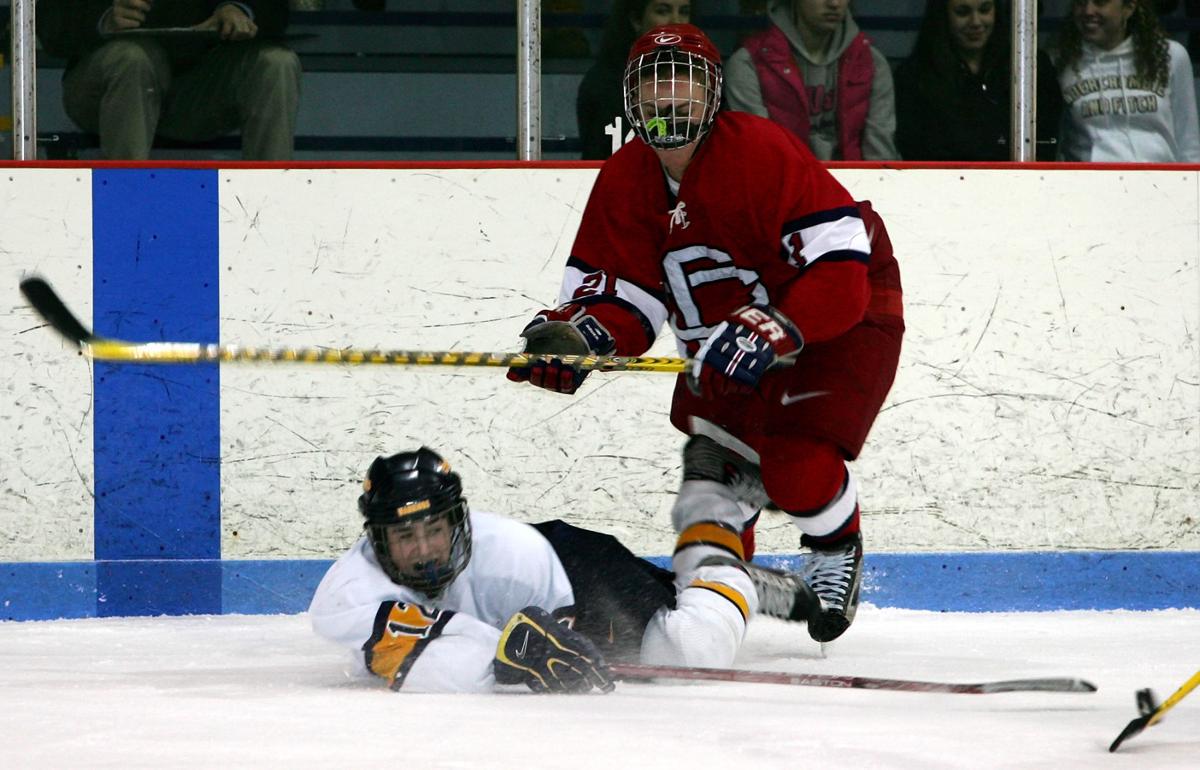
x,y
816,73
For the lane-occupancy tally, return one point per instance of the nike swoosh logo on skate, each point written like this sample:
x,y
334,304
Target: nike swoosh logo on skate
x,y
788,399
524,645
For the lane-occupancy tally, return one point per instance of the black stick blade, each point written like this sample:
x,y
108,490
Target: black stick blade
x,y
1131,729
50,307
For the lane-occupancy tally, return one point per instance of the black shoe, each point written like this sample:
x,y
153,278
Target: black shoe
x,y
835,574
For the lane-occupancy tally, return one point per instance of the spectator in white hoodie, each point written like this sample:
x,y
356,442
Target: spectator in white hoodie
x,y
1128,91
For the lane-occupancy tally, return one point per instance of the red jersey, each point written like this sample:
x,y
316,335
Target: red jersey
x,y
756,219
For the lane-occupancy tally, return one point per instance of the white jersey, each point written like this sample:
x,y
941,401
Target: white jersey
x,y
1112,116
445,644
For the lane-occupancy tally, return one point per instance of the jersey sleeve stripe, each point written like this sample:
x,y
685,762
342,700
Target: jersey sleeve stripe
x,y
821,217
647,325
806,244
583,286
846,255
584,267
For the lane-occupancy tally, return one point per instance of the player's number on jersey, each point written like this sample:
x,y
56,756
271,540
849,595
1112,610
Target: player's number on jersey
x,y
411,620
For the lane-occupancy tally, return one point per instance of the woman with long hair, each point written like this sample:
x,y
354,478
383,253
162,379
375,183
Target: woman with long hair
x,y
600,104
1129,90
953,93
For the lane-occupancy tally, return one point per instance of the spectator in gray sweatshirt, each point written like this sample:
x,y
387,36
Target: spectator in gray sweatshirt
x,y
815,72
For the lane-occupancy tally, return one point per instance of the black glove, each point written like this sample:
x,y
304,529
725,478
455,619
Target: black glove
x,y
568,330
547,656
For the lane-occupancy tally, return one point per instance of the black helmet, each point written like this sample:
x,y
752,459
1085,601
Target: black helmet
x,y
410,488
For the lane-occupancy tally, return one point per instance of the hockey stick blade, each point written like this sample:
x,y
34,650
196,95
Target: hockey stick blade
x,y
637,671
46,302
49,306
1152,714
1131,729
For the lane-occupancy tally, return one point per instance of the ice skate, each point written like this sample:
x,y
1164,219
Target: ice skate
x,y
834,572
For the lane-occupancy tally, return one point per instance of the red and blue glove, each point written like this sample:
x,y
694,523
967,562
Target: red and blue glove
x,y
741,349
568,330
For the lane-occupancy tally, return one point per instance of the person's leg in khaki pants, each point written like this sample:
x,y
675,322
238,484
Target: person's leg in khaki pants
x,y
251,86
117,92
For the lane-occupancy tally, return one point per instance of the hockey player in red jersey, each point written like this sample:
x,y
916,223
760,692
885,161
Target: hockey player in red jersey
x,y
779,286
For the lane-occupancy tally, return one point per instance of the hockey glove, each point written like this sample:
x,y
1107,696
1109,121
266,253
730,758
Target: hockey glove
x,y
740,350
547,656
568,330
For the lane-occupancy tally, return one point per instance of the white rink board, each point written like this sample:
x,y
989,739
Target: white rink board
x,y
1049,393
432,260
46,471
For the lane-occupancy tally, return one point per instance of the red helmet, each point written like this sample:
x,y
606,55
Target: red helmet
x,y
672,85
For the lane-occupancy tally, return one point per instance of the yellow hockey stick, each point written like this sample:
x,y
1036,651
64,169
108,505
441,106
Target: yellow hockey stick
x,y
1150,713
47,303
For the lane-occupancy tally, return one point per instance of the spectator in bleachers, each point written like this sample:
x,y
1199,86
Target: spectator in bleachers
x,y
133,73
1129,92
600,104
953,95
815,73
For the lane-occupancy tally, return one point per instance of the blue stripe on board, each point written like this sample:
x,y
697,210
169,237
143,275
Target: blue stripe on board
x,y
44,590
1028,581
267,587
946,582
157,428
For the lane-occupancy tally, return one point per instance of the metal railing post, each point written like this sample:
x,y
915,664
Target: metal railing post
x,y
24,80
529,80
1024,80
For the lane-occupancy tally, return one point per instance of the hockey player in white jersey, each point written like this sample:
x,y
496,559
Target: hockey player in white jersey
x,y
437,598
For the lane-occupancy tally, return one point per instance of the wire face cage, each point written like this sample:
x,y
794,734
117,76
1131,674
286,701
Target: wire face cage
x,y
671,95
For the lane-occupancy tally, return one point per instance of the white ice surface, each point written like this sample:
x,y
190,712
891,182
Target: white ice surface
x,y
262,691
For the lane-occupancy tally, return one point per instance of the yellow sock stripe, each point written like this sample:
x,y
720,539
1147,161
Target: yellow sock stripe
x,y
712,534
732,594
